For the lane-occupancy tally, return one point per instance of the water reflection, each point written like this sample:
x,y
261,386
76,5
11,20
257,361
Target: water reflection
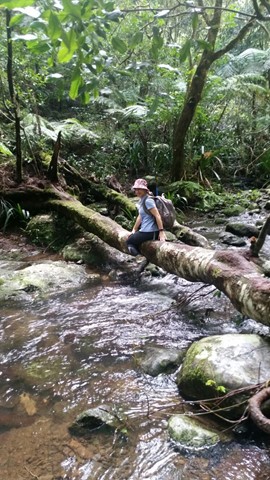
x,y
61,356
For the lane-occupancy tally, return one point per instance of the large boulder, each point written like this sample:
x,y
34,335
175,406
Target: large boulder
x,y
220,364
42,279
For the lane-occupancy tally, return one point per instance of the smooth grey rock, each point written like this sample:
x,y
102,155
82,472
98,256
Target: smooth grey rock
x,y
242,229
42,279
97,417
160,360
189,433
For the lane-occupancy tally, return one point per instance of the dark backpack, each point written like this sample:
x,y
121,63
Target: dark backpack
x,y
165,208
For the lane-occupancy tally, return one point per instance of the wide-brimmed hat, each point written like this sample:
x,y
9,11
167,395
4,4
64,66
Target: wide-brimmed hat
x,y
140,183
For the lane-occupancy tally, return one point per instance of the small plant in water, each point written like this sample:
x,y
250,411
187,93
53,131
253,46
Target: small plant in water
x,y
219,388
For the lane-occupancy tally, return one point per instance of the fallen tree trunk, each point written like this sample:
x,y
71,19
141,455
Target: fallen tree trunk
x,y
233,273
102,192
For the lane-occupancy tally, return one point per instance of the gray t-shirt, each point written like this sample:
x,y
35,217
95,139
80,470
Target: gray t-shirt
x,y
148,221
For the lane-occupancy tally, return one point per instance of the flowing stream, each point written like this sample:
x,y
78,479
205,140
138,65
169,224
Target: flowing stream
x,y
74,351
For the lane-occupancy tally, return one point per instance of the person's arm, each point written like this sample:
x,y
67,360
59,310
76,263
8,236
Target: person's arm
x,y
137,224
162,235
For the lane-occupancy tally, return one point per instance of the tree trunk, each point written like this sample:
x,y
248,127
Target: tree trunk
x,y
53,167
192,100
198,81
230,272
14,99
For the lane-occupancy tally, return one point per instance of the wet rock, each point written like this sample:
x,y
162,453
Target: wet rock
x,y
242,230
189,433
230,239
220,220
225,363
267,205
94,418
160,360
266,268
233,210
43,279
153,270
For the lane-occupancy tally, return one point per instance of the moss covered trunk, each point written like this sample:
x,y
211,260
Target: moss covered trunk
x,y
232,273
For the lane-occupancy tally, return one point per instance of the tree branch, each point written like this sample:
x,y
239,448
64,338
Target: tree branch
x,y
241,34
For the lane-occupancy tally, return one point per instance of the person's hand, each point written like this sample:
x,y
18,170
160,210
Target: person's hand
x,y
162,236
131,233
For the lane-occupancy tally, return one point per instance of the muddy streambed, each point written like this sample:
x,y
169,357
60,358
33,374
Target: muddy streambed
x,y
74,351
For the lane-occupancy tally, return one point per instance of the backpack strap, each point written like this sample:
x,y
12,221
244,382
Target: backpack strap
x,y
145,207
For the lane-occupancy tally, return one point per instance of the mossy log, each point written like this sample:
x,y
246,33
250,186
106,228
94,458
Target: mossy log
x,y
233,273
102,192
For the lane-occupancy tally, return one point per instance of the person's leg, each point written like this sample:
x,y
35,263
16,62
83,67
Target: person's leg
x,y
136,239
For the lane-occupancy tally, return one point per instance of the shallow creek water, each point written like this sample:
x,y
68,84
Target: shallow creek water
x,y
78,350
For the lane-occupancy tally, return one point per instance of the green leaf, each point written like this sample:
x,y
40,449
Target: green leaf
x,y
38,47
68,47
76,83
71,9
205,45
136,39
119,45
10,4
157,41
154,106
195,20
54,27
185,51
210,383
15,20
5,151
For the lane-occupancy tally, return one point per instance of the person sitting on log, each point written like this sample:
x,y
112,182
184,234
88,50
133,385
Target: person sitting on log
x,y
148,226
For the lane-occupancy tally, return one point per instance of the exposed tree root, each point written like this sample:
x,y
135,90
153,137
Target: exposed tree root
x,y
255,412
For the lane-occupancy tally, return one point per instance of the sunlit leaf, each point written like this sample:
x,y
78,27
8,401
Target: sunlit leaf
x,y
119,45
168,67
163,13
15,20
136,111
10,4
30,11
55,75
4,150
114,16
26,37
76,83
68,47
